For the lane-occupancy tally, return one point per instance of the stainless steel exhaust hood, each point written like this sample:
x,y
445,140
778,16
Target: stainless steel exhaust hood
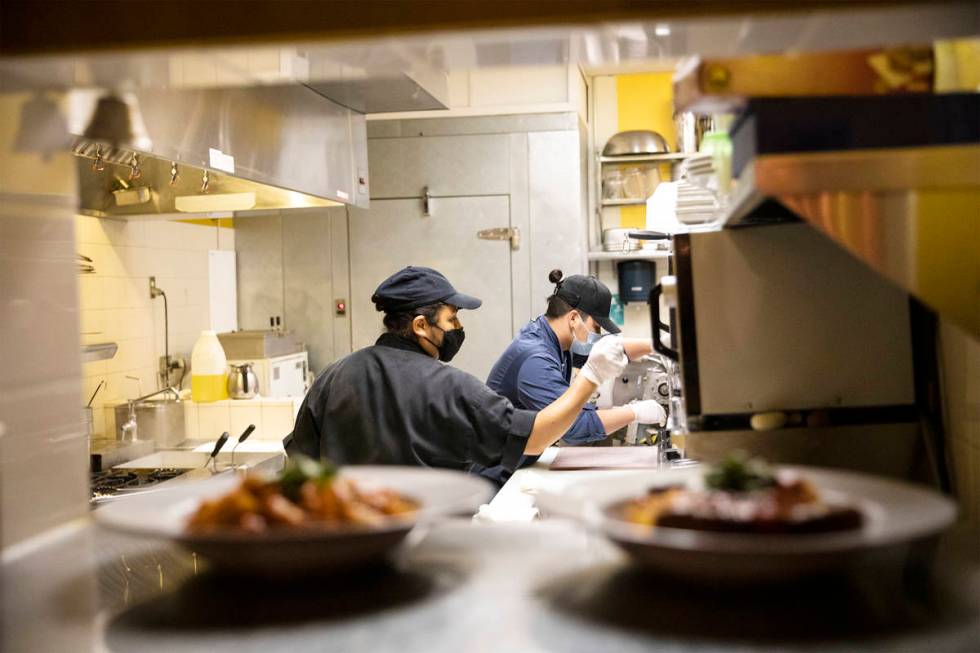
x,y
164,189
287,146
366,93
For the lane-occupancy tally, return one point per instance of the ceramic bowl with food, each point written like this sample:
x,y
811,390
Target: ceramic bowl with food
x,y
308,518
739,523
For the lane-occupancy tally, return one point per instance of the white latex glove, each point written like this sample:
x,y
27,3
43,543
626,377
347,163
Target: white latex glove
x,y
607,360
648,411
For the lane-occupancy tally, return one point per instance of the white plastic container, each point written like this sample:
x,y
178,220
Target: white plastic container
x,y
209,369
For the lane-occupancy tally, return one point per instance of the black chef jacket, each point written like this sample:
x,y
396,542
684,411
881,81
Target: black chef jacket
x,y
394,404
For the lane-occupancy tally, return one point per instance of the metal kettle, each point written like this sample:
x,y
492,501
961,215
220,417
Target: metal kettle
x,y
242,382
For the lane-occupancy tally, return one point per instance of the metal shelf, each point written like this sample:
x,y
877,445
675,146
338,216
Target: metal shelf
x,y
635,255
630,202
669,157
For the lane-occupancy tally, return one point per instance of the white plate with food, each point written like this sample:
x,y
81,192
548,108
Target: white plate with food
x,y
743,520
309,517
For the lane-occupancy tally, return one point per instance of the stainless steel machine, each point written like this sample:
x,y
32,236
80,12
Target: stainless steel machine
x,y
788,347
646,378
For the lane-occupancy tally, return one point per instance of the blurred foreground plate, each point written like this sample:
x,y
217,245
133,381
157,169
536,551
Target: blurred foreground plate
x,y
895,513
164,514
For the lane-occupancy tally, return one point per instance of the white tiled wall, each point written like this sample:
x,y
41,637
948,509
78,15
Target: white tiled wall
x,y
115,301
273,418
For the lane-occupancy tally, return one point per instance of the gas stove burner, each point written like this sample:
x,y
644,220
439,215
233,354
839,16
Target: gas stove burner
x,y
117,482
164,474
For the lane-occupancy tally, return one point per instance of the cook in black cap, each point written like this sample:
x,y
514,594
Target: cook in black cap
x,y
537,366
416,287
587,295
398,402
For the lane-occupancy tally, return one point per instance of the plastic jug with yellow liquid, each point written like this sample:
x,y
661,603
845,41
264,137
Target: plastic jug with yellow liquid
x,y
209,369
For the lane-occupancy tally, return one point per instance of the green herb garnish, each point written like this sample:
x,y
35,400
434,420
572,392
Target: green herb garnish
x,y
300,469
737,473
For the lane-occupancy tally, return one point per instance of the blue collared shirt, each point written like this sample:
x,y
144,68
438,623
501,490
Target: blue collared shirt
x,y
534,371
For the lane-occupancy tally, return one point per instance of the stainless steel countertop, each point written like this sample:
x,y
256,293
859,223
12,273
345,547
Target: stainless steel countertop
x,y
545,586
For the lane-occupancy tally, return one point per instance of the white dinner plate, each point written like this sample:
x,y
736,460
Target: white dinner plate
x,y
164,514
895,513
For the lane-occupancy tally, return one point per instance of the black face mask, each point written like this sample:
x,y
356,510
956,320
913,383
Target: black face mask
x,y
452,340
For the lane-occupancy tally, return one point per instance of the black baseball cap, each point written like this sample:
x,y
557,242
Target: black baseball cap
x,y
590,296
417,286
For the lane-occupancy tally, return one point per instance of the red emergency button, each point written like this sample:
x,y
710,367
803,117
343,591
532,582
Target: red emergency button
x,y
340,306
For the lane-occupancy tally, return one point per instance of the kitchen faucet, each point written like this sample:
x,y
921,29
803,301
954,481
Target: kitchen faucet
x,y
172,390
130,430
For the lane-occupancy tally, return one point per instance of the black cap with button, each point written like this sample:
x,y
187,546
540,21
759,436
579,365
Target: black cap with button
x,y
417,286
590,296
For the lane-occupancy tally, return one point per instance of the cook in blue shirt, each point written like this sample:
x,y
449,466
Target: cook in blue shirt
x,y
399,402
536,367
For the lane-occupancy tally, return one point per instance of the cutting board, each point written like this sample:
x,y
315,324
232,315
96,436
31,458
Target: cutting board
x,y
569,458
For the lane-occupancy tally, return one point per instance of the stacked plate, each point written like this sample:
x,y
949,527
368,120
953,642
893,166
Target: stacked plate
x,y
695,204
699,170
679,206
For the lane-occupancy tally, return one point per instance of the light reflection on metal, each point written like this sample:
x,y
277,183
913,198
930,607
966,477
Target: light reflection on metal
x,y
43,129
912,214
116,120
205,182
134,168
173,173
98,165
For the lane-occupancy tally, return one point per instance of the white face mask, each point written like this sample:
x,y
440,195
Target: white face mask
x,y
581,342
583,349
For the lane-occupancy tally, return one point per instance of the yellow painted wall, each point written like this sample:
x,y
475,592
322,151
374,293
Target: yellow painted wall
x,y
645,101
948,256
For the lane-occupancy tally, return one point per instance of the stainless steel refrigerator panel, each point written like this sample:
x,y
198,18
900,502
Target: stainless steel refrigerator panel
x,y
525,304
446,165
557,237
258,244
395,233
308,292
359,158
